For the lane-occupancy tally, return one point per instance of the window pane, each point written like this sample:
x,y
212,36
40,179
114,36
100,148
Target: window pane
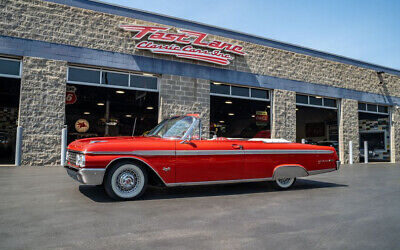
x,y
362,106
115,79
83,75
382,109
143,82
329,102
9,67
372,107
302,99
259,93
219,89
315,101
240,91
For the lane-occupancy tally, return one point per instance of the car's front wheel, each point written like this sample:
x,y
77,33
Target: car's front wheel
x,y
125,181
285,183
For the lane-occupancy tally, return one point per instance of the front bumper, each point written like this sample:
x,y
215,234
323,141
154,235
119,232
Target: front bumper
x,y
338,165
89,176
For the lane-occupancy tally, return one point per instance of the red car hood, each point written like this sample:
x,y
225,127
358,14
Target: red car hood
x,y
121,143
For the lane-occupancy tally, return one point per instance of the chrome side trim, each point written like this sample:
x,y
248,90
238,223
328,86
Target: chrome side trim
x,y
321,171
216,182
134,158
209,152
286,151
138,152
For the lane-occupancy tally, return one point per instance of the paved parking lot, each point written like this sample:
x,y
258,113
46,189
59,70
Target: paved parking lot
x,y
356,208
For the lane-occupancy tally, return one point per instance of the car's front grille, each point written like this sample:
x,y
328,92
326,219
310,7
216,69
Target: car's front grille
x,y
72,157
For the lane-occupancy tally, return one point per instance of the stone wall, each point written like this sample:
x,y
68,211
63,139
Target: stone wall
x,y
42,110
395,135
284,115
183,95
46,21
348,130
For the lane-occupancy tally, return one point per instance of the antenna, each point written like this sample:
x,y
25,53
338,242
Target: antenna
x,y
134,126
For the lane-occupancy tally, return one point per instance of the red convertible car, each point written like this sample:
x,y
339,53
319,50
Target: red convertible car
x,y
174,154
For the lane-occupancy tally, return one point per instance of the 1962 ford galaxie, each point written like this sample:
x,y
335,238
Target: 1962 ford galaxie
x,y
174,154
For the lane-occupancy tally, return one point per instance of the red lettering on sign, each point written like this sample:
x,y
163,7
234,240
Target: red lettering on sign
x,y
188,38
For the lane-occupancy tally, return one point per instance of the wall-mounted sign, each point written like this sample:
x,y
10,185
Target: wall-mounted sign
x,y
184,44
82,126
70,97
262,118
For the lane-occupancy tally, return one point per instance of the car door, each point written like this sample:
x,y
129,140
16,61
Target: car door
x,y
208,160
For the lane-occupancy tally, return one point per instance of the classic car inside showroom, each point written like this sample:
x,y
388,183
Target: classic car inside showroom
x,y
93,70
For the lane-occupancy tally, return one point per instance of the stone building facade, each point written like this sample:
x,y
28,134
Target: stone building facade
x,y
50,36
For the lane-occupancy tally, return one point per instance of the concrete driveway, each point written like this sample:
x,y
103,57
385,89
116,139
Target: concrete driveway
x,y
355,208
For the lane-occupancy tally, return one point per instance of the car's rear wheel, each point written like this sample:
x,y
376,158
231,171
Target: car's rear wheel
x,y
125,181
284,183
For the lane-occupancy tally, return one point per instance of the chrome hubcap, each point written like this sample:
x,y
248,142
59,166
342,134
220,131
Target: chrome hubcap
x,y
127,181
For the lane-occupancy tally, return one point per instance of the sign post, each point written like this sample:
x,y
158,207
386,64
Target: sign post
x,y
350,152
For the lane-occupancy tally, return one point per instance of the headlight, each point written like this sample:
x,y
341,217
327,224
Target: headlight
x,y
80,160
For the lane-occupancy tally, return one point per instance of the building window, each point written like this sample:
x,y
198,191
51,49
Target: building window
x,y
373,108
10,68
87,76
83,75
239,91
143,82
220,89
225,90
316,101
112,78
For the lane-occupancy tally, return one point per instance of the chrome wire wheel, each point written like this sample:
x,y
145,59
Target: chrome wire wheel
x,y
285,182
127,181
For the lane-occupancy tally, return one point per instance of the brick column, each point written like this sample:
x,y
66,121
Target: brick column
x,y
183,95
42,110
284,115
395,135
348,130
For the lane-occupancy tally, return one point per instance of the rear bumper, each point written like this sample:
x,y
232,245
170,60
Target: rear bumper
x,y
89,176
338,165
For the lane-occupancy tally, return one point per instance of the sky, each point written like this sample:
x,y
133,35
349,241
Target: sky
x,y
367,30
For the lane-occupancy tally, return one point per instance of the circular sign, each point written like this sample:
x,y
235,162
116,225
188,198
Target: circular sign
x,y
82,125
70,97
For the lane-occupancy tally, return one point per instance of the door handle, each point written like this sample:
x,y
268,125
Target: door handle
x,y
237,146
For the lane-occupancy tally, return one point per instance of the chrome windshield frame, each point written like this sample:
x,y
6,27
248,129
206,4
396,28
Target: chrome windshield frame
x,y
189,132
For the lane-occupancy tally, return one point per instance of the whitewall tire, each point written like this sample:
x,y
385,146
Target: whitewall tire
x,y
125,181
284,183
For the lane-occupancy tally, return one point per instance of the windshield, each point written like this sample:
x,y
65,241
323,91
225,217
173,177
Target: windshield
x,y
174,127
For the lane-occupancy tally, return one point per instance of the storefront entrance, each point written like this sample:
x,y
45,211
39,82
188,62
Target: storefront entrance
x,y
9,106
317,121
374,128
238,112
106,109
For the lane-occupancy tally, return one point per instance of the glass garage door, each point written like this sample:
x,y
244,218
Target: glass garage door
x,y
10,74
110,103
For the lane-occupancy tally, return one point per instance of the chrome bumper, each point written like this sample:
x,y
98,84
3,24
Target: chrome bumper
x,y
337,165
89,176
